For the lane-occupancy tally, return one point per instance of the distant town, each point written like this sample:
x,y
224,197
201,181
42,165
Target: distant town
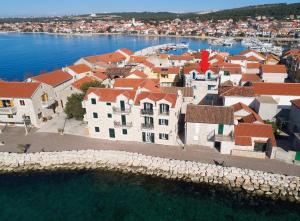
x,y
259,26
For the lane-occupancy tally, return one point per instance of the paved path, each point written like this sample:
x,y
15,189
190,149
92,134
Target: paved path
x,y
55,142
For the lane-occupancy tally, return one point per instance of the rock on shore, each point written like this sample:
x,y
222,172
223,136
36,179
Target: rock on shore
x,y
255,183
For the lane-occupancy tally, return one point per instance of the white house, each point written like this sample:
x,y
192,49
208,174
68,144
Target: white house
x,y
78,71
24,101
273,73
210,126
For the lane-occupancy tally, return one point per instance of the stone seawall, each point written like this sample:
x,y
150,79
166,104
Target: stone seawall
x,y
254,183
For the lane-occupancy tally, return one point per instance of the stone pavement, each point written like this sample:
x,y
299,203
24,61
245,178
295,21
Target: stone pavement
x,y
55,142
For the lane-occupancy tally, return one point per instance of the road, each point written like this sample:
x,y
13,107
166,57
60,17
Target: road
x,y
12,136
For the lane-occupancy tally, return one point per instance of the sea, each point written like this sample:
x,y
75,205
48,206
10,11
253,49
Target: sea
x,y
105,196
27,54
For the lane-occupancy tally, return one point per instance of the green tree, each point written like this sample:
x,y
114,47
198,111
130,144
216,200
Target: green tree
x,y
74,107
276,129
84,87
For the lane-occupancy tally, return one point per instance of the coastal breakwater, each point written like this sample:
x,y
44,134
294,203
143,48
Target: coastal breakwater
x,y
249,182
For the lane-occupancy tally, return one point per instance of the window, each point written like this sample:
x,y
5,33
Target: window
x,y
93,101
164,108
112,133
125,131
164,136
97,129
22,102
210,87
108,104
226,73
109,115
10,116
163,122
164,76
95,115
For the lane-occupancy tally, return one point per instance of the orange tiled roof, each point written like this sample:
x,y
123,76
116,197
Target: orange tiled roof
x,y
77,84
251,78
238,91
100,75
172,98
110,94
236,58
138,73
269,68
296,103
53,78
113,57
244,131
17,89
252,117
126,51
286,89
194,66
169,70
137,59
183,57
80,68
253,65
150,84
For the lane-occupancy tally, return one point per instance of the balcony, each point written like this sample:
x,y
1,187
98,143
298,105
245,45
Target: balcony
x,y
121,125
47,104
164,113
147,126
147,112
118,110
8,110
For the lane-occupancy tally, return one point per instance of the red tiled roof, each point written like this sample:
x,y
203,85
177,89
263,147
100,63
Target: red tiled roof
x,y
169,70
150,84
107,58
126,51
110,94
17,89
137,59
251,78
268,68
286,89
243,131
172,98
248,51
296,103
184,57
77,84
53,78
80,68
100,75
190,67
239,91
236,58
253,65
251,118
138,73
253,58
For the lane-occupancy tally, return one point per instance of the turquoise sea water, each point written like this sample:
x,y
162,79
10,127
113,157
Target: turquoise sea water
x,y
24,54
96,195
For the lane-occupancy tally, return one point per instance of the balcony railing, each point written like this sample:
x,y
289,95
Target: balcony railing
x,y
147,126
120,124
165,113
147,112
8,110
118,110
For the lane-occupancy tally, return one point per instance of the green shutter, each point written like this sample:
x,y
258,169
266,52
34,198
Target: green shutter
x,y
144,137
297,158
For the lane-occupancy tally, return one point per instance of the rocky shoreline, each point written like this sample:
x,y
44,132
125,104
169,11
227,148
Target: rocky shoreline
x,y
249,182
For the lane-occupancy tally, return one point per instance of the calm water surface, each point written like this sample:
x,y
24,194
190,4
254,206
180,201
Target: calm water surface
x,y
25,54
96,195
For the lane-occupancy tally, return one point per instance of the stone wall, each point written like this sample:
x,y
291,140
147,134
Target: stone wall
x,y
254,183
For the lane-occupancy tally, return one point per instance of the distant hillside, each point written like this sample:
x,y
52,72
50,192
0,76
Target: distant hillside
x,y
273,10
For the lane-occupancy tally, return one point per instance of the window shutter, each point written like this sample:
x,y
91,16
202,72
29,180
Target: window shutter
x,y
144,137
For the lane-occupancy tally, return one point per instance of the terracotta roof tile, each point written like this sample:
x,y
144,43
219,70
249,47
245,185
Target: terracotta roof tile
x,y
113,57
169,70
80,68
296,103
172,98
17,89
138,73
251,78
110,94
186,91
53,78
77,84
149,84
244,130
268,68
286,89
239,91
209,114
